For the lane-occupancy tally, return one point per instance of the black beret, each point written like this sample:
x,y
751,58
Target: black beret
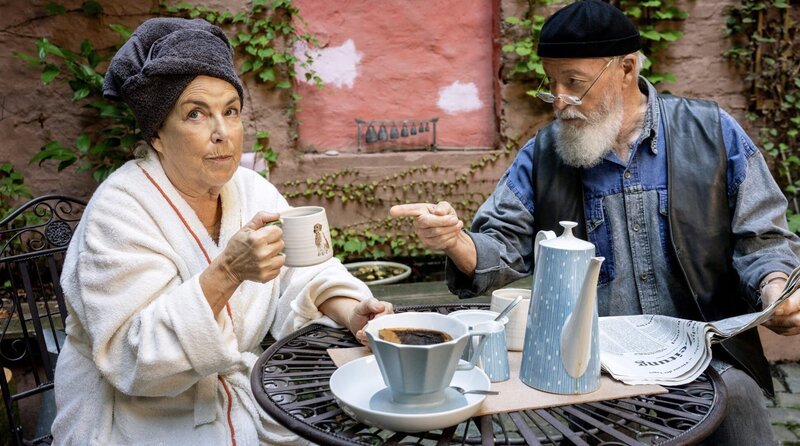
x,y
158,62
588,28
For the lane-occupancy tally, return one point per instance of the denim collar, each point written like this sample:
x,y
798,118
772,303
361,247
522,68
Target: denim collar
x,y
652,115
649,127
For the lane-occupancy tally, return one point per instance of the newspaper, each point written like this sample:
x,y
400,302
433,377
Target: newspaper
x,y
654,349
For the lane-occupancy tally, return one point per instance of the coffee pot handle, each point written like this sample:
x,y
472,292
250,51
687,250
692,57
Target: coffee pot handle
x,y
540,237
484,335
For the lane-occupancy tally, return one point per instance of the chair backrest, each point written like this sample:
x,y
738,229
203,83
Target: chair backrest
x,y
33,242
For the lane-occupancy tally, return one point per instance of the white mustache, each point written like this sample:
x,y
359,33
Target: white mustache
x,y
570,113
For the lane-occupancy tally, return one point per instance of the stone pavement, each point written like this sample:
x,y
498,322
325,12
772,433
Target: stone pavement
x,y
784,409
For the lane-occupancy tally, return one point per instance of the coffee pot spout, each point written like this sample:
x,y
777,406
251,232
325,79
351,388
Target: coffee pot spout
x,y
576,335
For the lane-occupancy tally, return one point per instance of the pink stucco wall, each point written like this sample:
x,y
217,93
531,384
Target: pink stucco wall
x,y
396,59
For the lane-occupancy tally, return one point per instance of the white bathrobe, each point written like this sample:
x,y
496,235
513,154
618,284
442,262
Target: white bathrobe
x,y
145,361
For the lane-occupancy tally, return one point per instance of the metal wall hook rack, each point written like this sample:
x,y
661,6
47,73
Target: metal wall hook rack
x,y
395,130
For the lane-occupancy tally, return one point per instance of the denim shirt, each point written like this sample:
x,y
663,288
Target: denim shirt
x,y
626,211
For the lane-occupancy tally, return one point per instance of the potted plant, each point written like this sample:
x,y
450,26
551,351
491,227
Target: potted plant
x,y
377,272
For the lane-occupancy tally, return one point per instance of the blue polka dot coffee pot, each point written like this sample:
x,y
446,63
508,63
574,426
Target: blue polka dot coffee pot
x,y
561,352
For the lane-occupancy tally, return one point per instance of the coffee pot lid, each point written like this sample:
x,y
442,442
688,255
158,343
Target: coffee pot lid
x,y
567,240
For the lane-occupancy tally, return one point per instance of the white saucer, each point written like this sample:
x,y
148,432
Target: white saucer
x,y
362,394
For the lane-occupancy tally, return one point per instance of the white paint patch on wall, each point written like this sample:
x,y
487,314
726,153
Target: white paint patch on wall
x,y
459,98
336,66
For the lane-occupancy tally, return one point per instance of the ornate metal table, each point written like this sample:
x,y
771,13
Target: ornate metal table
x,y
290,381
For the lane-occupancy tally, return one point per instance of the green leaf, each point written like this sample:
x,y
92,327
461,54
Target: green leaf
x,y
671,36
83,143
634,11
52,150
80,94
122,30
247,65
651,35
240,17
284,84
267,75
50,72
261,134
45,48
523,51
32,61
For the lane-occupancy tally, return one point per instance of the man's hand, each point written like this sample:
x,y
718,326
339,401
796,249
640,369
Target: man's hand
x,y
786,319
437,226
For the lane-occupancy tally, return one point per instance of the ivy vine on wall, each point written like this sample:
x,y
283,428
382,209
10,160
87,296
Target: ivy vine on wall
x,y
264,35
652,17
263,38
767,46
380,236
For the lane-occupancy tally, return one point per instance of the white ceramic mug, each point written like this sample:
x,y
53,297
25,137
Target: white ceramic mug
x,y
306,236
517,319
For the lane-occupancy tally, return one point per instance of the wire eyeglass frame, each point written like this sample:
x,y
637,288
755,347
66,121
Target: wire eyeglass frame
x,y
567,98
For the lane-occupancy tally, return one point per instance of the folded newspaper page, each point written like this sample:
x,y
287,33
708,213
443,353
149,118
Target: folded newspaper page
x,y
654,349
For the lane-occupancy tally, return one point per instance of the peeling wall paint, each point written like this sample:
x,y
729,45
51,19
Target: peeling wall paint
x,y
459,98
336,66
390,60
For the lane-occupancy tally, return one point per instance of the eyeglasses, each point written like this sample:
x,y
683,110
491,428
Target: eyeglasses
x,y
569,99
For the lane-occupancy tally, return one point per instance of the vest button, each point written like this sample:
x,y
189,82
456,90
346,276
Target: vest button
x,y
644,276
627,175
636,227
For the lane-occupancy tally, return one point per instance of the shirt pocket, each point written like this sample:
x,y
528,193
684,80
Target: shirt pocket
x,y
599,232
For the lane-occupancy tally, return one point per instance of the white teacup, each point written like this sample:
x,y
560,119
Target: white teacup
x,y
306,236
419,374
517,319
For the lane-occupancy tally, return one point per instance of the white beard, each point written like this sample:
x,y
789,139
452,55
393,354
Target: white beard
x,y
586,146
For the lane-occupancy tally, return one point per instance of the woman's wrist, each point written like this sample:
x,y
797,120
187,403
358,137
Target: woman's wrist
x,y
340,310
218,285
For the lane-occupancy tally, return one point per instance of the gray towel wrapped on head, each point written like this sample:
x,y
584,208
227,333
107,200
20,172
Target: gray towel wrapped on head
x,y
161,58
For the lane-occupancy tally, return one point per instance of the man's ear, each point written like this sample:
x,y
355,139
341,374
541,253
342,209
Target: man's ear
x,y
628,64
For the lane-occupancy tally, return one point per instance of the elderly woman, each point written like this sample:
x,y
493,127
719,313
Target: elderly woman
x,y
172,278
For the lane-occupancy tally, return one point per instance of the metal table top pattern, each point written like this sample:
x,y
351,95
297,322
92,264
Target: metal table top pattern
x,y
290,381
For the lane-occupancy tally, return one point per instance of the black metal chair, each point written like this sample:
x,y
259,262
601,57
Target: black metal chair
x,y
33,242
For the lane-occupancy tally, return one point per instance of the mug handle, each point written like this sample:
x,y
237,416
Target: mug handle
x,y
484,335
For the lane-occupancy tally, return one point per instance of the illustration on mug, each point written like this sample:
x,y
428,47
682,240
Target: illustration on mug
x,y
323,245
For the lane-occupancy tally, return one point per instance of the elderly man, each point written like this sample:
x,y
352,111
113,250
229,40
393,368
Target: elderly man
x,y
672,192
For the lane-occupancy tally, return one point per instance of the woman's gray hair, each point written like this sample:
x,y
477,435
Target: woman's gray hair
x,y
142,149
